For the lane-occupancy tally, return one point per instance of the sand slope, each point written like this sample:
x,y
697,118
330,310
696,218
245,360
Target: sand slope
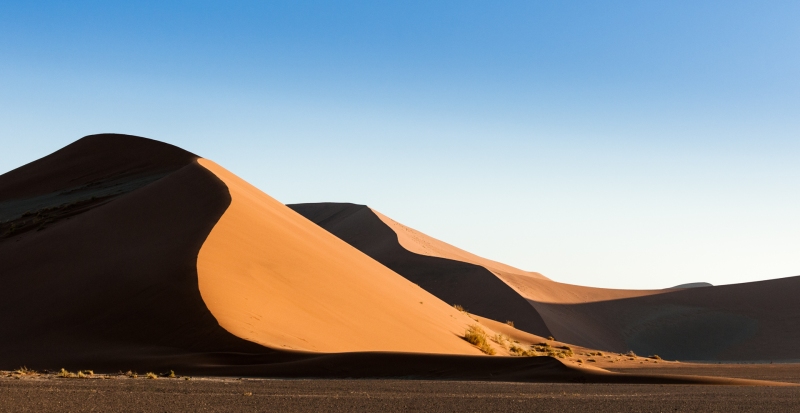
x,y
272,277
733,322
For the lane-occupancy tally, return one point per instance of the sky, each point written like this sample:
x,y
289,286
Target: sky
x,y
619,144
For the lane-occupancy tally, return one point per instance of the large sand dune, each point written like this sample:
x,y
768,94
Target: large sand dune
x,y
120,253
752,322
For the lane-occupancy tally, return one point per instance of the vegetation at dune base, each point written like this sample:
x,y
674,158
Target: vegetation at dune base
x,y
477,337
535,350
80,374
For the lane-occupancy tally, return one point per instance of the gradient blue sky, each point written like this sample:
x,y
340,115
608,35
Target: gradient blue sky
x,y
617,144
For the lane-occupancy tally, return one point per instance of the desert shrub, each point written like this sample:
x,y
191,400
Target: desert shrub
x,y
151,376
591,360
655,357
550,338
477,337
511,323
459,308
500,340
66,374
24,371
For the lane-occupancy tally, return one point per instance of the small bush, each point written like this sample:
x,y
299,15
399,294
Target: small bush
x,y
477,337
500,340
511,323
550,338
24,371
65,374
655,357
459,308
151,376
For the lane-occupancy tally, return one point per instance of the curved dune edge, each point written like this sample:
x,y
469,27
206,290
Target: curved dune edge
x,y
272,277
420,243
531,285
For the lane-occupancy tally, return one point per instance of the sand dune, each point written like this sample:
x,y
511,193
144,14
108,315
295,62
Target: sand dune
x,y
713,323
455,282
272,277
124,253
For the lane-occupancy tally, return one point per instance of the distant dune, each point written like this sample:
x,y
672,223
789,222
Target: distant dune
x,y
732,322
694,285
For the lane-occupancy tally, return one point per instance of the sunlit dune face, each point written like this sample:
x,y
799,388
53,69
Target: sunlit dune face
x,y
270,276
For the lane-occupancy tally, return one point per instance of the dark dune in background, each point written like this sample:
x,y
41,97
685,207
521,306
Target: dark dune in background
x,y
99,248
744,322
454,282
755,321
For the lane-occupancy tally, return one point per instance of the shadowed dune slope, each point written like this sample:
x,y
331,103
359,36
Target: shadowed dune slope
x,y
744,322
114,286
91,162
455,282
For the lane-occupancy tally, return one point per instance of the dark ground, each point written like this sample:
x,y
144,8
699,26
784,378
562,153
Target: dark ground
x,y
784,372
223,395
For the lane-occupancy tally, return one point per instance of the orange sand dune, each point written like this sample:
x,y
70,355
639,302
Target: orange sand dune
x,y
323,294
120,252
731,322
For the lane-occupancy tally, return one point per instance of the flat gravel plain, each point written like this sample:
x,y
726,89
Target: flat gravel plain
x,y
235,395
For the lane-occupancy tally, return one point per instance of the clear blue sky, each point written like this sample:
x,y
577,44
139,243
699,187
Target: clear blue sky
x,y
634,144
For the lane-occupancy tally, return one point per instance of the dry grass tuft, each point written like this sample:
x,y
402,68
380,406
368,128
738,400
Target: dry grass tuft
x,y
24,371
477,337
151,376
501,340
66,374
511,323
459,308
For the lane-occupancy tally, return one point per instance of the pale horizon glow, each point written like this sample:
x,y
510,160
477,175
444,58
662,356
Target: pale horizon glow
x,y
620,145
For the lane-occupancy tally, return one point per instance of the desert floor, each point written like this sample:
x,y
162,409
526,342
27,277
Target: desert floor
x,y
120,393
